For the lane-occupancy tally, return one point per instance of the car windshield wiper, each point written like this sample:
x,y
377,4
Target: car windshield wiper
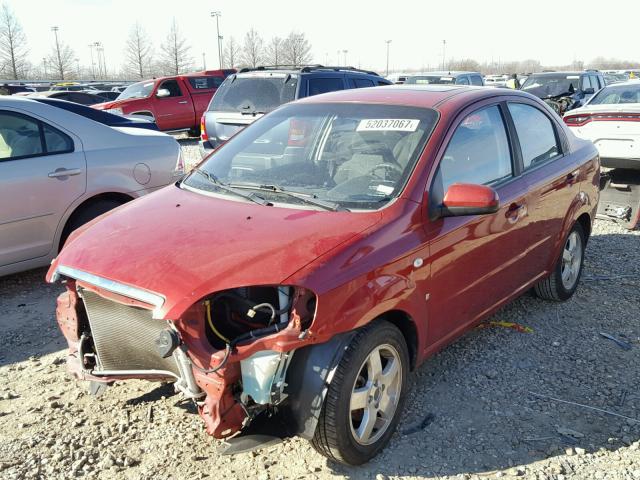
x,y
310,199
228,188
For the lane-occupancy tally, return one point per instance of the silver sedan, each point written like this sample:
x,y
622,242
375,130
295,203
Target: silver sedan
x,y
59,170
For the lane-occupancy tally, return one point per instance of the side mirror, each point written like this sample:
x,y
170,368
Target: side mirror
x,y
469,199
162,92
589,91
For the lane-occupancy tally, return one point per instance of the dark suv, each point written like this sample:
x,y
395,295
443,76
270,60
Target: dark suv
x,y
252,92
564,91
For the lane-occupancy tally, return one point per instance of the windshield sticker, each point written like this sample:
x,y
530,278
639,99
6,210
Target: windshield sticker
x,y
386,189
388,124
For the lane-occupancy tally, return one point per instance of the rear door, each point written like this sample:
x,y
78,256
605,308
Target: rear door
x,y
476,261
42,172
551,175
175,111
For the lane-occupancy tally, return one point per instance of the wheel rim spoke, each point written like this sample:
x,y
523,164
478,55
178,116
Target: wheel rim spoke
x,y
389,373
571,260
375,364
368,424
359,398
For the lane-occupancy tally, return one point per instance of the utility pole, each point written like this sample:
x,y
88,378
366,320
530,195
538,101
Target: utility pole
x,y
387,42
217,15
55,32
444,47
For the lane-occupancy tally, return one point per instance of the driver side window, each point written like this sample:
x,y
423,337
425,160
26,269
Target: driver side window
x,y
478,152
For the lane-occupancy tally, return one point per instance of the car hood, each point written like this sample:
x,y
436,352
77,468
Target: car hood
x,y
184,245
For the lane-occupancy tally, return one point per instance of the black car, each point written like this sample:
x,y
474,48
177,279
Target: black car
x,y
99,116
564,91
83,98
250,93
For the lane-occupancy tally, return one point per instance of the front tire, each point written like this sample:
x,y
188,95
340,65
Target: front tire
x,y
563,281
366,396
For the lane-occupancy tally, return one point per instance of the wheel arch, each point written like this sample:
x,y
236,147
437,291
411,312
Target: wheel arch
x,y
403,321
585,222
116,196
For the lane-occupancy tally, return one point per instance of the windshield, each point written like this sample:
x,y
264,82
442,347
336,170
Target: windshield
x,y
551,85
356,156
618,94
256,92
430,80
137,90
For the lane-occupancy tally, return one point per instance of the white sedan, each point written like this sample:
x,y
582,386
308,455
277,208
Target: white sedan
x,y
59,170
611,120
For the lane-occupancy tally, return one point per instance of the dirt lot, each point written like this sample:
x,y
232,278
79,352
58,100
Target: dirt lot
x,y
475,410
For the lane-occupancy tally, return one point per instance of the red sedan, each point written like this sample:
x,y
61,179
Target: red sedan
x,y
309,264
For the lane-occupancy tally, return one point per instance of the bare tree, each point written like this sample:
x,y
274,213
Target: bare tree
x,y
175,52
62,59
273,54
252,49
138,53
464,64
13,44
296,49
231,54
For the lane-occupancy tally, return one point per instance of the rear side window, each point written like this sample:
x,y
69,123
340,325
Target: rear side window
x,y
362,82
173,87
478,152
586,82
462,80
205,83
324,85
22,136
476,80
537,136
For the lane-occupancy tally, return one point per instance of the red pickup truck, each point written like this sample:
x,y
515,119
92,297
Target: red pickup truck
x,y
175,103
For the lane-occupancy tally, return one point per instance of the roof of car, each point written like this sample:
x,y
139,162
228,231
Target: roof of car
x,y
425,96
308,69
444,73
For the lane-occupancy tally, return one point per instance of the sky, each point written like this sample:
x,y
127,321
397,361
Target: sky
x,y
546,30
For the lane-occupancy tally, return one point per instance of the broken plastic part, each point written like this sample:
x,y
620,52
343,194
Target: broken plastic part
x,y
263,375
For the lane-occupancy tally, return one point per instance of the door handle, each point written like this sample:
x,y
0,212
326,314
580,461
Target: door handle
x,y
183,102
572,177
63,172
515,211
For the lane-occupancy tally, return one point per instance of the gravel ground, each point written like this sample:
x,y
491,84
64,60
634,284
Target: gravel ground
x,y
473,409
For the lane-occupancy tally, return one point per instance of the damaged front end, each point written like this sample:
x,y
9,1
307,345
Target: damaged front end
x,y
229,351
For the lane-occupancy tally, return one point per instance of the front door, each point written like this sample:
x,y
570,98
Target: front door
x,y
476,261
42,172
174,111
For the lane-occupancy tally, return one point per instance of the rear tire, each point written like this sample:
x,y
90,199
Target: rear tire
x,y
85,215
366,396
564,280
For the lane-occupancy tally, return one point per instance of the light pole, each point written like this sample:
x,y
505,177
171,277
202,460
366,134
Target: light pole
x,y
55,29
204,62
217,15
388,42
44,64
444,46
345,56
93,65
102,65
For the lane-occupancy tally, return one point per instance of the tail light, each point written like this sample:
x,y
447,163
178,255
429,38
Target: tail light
x,y
203,131
579,120
298,130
